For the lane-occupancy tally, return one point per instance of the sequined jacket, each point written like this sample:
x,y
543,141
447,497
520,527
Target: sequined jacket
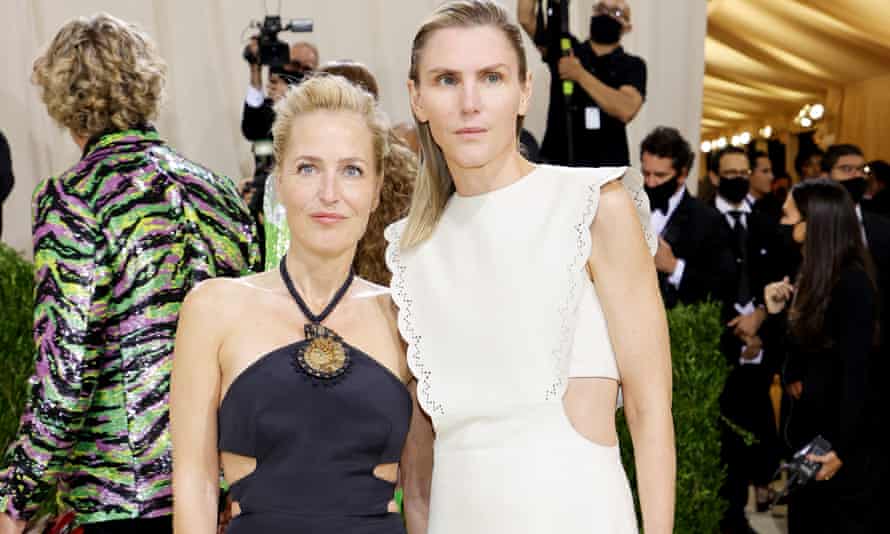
x,y
119,239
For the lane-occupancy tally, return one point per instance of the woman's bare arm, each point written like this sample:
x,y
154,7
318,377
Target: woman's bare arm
x,y
416,468
627,286
194,397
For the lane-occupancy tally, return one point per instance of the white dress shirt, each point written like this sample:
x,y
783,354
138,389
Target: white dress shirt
x,y
724,207
659,222
255,97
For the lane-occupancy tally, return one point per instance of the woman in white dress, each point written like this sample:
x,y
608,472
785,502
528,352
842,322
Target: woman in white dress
x,y
528,297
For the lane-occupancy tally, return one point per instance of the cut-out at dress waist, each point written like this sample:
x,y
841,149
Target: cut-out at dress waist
x,y
542,425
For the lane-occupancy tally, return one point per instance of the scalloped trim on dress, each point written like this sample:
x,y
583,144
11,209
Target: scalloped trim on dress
x,y
632,181
634,187
404,302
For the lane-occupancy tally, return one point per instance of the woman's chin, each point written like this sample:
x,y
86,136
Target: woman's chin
x,y
472,159
475,156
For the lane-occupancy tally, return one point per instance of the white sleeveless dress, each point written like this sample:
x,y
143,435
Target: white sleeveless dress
x,y
499,311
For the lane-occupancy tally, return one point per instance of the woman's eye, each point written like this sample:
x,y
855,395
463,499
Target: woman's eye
x,y
305,169
493,77
446,79
353,171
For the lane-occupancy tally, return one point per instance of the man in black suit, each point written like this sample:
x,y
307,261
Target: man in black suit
x,y
760,194
692,259
846,165
751,236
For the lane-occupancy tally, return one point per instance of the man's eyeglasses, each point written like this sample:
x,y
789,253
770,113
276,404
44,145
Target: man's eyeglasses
x,y
622,14
850,169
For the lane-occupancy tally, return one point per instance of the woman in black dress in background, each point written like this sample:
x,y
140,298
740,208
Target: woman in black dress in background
x,y
826,324
294,380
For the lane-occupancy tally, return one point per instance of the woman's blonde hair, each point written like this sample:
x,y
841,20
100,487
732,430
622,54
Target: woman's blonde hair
x,y
434,183
393,162
100,74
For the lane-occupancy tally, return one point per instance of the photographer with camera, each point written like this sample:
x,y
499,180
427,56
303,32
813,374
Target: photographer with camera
x,y
288,65
587,117
825,323
258,115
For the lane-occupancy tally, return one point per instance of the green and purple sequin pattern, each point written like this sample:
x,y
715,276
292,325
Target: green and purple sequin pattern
x,y
119,240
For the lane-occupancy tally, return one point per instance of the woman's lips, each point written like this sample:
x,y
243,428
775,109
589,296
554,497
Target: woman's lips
x,y
471,131
325,217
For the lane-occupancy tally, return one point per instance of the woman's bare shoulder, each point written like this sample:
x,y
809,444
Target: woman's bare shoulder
x,y
225,296
382,297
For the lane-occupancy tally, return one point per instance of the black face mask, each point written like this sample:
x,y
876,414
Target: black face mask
x,y
661,194
790,251
856,187
733,189
604,30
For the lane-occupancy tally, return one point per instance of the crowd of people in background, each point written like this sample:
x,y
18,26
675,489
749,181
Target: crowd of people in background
x,y
800,269
801,276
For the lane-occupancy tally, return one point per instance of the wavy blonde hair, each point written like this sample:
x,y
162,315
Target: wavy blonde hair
x,y
434,183
392,160
100,74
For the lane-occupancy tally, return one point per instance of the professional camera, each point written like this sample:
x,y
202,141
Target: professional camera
x,y
801,470
272,51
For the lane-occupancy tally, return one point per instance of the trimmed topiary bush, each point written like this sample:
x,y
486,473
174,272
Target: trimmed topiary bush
x,y
16,341
699,372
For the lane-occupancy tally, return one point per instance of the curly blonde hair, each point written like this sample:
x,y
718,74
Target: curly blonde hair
x,y
100,74
393,160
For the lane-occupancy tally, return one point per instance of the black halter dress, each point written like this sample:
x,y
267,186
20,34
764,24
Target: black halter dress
x,y
318,415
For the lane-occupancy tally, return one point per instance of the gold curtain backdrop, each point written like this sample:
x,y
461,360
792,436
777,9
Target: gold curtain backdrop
x,y
765,59
865,114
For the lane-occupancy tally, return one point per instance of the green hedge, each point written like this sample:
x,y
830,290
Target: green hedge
x,y
699,372
16,341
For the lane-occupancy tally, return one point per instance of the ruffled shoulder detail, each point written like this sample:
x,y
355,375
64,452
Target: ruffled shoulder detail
x,y
632,181
402,298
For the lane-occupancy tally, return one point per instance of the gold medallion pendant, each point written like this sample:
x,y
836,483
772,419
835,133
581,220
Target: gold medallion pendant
x,y
324,355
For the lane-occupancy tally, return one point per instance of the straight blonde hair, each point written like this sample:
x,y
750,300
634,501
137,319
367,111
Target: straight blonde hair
x,y
434,184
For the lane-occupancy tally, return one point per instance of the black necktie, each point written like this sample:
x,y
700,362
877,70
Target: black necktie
x,y
740,246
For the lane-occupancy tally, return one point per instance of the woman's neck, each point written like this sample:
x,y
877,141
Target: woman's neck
x,y
318,278
496,174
